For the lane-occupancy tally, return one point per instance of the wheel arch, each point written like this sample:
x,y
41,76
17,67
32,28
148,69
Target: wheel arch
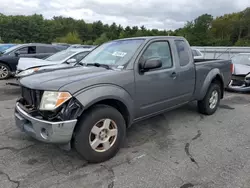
x,y
214,76
110,95
5,63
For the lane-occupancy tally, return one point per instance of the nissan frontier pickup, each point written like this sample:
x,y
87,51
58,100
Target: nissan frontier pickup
x,y
119,83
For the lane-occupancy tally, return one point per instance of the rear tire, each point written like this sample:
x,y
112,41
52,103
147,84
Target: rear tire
x,y
100,133
209,104
4,71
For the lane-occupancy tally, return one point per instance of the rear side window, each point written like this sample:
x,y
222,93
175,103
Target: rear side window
x,y
27,50
46,49
183,53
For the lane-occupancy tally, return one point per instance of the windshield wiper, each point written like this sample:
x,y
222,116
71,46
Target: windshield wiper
x,y
96,65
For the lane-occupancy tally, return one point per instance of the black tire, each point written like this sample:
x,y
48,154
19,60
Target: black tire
x,y
5,68
83,130
204,106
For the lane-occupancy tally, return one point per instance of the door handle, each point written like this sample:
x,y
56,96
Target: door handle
x,y
173,75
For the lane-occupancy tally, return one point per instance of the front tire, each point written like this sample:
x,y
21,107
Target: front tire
x,y
4,71
209,104
100,133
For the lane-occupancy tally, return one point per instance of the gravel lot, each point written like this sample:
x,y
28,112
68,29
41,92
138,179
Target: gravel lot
x,y
179,149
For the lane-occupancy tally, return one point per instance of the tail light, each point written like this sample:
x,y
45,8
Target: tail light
x,y
232,68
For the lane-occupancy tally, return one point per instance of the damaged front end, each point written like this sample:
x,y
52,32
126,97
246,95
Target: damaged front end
x,y
240,83
50,126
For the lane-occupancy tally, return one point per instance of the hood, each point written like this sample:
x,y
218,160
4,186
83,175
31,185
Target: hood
x,y
240,69
55,79
26,63
56,66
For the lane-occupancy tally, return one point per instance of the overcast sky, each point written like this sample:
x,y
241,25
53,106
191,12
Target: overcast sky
x,y
159,14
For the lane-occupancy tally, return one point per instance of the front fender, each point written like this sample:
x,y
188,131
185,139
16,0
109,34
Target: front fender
x,y
207,81
9,62
91,95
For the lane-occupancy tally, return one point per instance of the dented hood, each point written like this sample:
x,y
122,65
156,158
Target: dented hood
x,y
54,80
27,63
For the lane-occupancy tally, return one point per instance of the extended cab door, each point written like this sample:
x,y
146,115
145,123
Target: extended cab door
x,y
156,89
185,70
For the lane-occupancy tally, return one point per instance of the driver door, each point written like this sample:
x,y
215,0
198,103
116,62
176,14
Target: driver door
x,y
157,88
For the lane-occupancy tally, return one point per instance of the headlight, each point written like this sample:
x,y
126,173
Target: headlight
x,y
247,78
27,72
53,99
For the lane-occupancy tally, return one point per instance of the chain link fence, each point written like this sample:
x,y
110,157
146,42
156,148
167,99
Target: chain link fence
x,y
217,52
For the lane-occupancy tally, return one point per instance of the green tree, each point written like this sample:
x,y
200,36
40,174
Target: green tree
x,y
71,38
102,39
17,41
89,42
242,42
226,30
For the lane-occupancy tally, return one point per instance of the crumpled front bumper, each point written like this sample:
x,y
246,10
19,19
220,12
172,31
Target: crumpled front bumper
x,y
239,88
45,131
242,86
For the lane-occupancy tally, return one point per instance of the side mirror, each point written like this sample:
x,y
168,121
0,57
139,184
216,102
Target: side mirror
x,y
17,53
150,64
71,61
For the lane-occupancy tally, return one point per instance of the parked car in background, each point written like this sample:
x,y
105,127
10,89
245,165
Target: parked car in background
x,y
62,44
197,54
63,59
81,46
240,73
123,81
4,47
10,57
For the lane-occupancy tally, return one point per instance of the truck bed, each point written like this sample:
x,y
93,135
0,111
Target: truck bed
x,y
206,60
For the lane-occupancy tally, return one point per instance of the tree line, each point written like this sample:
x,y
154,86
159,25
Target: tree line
x,y
227,30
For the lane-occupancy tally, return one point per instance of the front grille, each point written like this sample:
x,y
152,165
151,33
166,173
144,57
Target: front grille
x,y
31,97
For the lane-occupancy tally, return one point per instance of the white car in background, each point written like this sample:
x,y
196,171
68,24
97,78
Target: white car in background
x,y
240,73
197,54
27,66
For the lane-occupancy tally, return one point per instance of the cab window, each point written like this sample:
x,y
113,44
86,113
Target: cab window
x,y
159,50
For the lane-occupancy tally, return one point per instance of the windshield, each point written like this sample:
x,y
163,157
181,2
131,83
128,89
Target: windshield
x,y
114,52
60,55
11,49
243,59
5,47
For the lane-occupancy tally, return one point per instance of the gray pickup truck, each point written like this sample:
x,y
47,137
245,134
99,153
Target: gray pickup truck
x,y
120,82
